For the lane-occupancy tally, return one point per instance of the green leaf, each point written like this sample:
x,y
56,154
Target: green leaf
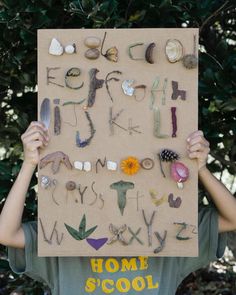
x,y
80,234
89,232
74,233
82,225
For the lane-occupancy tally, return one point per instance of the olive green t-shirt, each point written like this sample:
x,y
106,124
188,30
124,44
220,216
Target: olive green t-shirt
x,y
116,275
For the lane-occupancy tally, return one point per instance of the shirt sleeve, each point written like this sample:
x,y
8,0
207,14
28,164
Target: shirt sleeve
x,y
211,243
26,261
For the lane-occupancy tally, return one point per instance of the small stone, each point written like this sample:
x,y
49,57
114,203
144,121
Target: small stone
x,y
92,42
55,47
70,49
92,53
87,166
78,165
111,165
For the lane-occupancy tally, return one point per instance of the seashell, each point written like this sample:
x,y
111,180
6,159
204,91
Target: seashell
x,y
73,72
147,164
70,185
92,53
70,80
70,49
55,47
190,61
87,166
78,165
179,173
45,182
174,50
111,165
92,42
126,86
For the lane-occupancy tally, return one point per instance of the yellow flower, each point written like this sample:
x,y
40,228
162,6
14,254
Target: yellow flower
x,y
130,165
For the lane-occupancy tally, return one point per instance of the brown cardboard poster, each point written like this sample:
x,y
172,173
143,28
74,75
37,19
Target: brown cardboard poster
x,y
130,103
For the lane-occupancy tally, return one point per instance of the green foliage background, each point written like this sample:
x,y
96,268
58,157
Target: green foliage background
x,y
19,21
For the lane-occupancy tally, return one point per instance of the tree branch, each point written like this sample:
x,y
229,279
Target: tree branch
x,y
215,13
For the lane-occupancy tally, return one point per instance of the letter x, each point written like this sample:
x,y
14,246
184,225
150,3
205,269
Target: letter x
x,y
134,236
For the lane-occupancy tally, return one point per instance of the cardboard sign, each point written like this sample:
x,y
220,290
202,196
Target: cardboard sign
x,y
106,187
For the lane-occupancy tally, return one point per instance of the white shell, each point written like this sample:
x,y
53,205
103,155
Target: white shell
x,y
87,166
45,181
70,49
180,185
174,50
78,165
55,47
126,86
111,165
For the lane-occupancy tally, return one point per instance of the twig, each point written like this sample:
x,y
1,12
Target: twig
x,y
215,13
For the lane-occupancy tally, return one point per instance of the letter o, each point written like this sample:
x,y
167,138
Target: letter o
x,y
138,284
112,265
123,285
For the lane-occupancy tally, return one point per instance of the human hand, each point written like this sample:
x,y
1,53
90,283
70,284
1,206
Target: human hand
x,y
198,148
36,136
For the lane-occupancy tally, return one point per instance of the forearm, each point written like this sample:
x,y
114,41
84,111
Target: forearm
x,y
11,215
222,198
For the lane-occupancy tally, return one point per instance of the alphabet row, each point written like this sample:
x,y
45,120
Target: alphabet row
x,y
128,85
123,235
173,49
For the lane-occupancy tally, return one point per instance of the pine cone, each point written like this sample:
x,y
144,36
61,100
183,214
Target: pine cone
x,y
168,155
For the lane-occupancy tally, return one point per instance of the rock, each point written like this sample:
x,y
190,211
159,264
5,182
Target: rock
x,y
92,53
92,42
87,166
78,165
111,165
70,49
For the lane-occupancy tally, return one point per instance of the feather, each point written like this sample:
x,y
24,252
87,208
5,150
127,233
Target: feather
x,y
45,112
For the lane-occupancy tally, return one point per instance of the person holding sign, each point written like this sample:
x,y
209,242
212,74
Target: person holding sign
x,y
112,275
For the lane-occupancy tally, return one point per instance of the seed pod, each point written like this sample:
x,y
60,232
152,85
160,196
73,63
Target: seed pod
x,y
190,61
147,164
149,53
70,185
57,120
